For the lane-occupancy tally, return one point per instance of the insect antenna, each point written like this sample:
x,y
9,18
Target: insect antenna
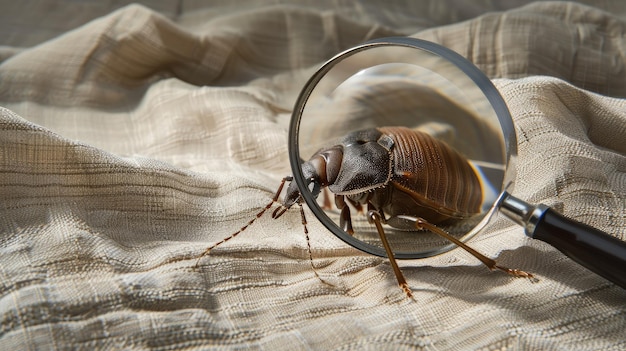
x,y
277,213
257,216
281,210
308,242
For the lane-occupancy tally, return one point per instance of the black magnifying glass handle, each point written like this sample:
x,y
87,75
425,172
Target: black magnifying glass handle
x,y
594,249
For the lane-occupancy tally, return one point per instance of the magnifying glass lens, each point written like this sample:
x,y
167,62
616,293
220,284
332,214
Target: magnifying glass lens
x,y
426,90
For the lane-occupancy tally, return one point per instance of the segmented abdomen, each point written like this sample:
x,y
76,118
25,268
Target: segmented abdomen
x,y
433,173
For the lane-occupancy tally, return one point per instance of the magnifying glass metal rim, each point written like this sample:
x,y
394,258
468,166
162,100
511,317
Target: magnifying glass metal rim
x,y
471,71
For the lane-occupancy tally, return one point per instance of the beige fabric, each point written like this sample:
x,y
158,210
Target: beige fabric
x,y
130,144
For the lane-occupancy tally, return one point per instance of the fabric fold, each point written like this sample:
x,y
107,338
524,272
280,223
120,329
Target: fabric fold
x,y
132,143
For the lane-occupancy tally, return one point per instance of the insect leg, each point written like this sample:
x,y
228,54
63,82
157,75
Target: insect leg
x,y
258,215
358,207
326,205
490,263
345,220
375,217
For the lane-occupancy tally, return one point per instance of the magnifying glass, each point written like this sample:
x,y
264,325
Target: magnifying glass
x,y
380,108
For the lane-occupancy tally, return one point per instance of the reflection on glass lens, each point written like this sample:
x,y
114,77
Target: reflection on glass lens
x,y
414,85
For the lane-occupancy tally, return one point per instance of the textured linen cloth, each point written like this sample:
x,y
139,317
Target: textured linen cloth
x,y
133,138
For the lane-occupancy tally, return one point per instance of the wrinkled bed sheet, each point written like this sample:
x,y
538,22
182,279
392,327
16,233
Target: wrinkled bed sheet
x,y
132,137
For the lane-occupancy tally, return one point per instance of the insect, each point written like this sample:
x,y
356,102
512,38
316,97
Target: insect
x,y
392,172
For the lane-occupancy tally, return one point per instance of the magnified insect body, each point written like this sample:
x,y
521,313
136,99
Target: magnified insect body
x,y
392,172
398,171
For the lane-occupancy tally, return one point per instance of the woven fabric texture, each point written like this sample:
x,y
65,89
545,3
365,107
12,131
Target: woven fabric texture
x,y
133,138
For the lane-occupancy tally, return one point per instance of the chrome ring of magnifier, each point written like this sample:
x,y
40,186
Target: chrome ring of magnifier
x,y
477,76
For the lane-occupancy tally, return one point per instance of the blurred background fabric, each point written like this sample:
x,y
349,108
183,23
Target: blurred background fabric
x,y
134,136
